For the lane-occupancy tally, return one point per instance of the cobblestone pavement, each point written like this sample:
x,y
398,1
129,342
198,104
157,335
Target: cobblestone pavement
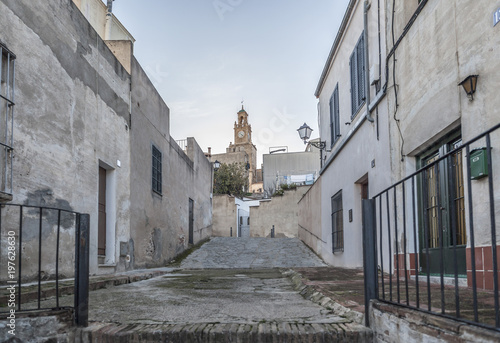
x,y
255,253
229,290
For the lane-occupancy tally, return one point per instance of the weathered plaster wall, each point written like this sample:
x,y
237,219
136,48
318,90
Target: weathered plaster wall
x,y
71,116
447,42
362,152
160,223
280,211
393,324
225,216
309,220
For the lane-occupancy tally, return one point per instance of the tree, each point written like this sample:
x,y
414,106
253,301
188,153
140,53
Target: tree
x,y
231,179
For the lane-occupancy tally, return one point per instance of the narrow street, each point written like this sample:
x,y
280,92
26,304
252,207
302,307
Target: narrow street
x,y
229,290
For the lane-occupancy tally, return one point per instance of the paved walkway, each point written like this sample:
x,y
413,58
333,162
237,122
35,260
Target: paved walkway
x,y
255,253
229,290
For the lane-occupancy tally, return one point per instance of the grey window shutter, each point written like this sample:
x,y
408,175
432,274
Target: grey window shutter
x,y
361,70
332,118
354,86
337,114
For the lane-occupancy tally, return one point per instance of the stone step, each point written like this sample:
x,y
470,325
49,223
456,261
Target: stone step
x,y
225,332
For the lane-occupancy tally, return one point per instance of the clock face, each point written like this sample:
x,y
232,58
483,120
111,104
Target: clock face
x,y
241,134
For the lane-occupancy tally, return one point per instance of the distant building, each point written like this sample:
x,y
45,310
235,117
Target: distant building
x,y
299,168
243,150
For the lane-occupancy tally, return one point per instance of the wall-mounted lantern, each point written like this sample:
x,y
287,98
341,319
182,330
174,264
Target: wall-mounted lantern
x,y
469,85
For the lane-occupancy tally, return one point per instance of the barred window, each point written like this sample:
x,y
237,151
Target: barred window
x,y
7,88
157,185
337,223
357,65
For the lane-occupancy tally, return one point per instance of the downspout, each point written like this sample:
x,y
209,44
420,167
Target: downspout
x,y
367,64
109,19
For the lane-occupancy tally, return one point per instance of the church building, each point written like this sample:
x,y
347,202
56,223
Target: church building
x,y
242,150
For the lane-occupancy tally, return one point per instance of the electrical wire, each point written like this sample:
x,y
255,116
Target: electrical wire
x,y
398,124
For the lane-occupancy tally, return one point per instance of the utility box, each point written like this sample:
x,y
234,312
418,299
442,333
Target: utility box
x,y
478,163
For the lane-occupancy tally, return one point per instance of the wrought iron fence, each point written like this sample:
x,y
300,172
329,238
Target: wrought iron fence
x,y
430,240
42,247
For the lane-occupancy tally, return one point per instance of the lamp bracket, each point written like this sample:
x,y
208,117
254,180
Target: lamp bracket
x,y
321,145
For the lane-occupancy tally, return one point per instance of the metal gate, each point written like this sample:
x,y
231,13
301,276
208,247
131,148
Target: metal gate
x,y
416,231
35,249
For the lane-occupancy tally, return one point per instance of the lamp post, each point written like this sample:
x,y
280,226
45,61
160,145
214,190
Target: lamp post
x,y
216,165
305,133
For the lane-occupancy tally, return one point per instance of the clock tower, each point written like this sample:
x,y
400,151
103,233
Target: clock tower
x,y
242,130
242,150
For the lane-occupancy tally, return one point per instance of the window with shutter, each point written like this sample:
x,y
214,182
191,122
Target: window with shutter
x,y
334,116
357,67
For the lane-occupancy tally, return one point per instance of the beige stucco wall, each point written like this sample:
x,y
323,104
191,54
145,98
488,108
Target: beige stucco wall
x,y
448,41
95,12
309,220
362,153
280,211
224,216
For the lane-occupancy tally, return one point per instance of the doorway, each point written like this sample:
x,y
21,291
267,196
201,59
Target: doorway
x,y
191,221
443,211
101,232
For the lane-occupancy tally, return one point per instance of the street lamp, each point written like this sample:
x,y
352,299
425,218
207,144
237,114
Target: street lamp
x,y
305,133
216,165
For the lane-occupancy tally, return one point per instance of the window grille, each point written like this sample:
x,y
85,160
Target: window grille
x,y
7,87
157,170
337,223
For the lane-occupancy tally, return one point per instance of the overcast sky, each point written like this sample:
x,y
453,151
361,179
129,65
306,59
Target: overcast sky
x,y
206,56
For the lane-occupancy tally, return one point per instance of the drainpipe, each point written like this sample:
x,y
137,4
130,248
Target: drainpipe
x,y
109,18
367,64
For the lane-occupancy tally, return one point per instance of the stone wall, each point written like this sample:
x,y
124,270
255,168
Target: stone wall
x,y
280,211
393,324
56,326
224,216
309,221
160,222
79,109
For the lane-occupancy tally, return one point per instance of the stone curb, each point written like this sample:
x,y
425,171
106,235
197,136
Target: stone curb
x,y
224,332
310,293
95,282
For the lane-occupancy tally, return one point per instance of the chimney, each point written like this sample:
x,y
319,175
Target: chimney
x,y
109,20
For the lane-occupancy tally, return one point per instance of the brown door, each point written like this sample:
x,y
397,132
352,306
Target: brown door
x,y
101,234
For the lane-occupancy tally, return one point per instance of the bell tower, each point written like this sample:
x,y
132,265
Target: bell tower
x,y
242,130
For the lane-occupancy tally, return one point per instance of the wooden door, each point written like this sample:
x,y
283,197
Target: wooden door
x,y
101,234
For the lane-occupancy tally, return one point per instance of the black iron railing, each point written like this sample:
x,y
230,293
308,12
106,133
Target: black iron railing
x,y
430,240
41,248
